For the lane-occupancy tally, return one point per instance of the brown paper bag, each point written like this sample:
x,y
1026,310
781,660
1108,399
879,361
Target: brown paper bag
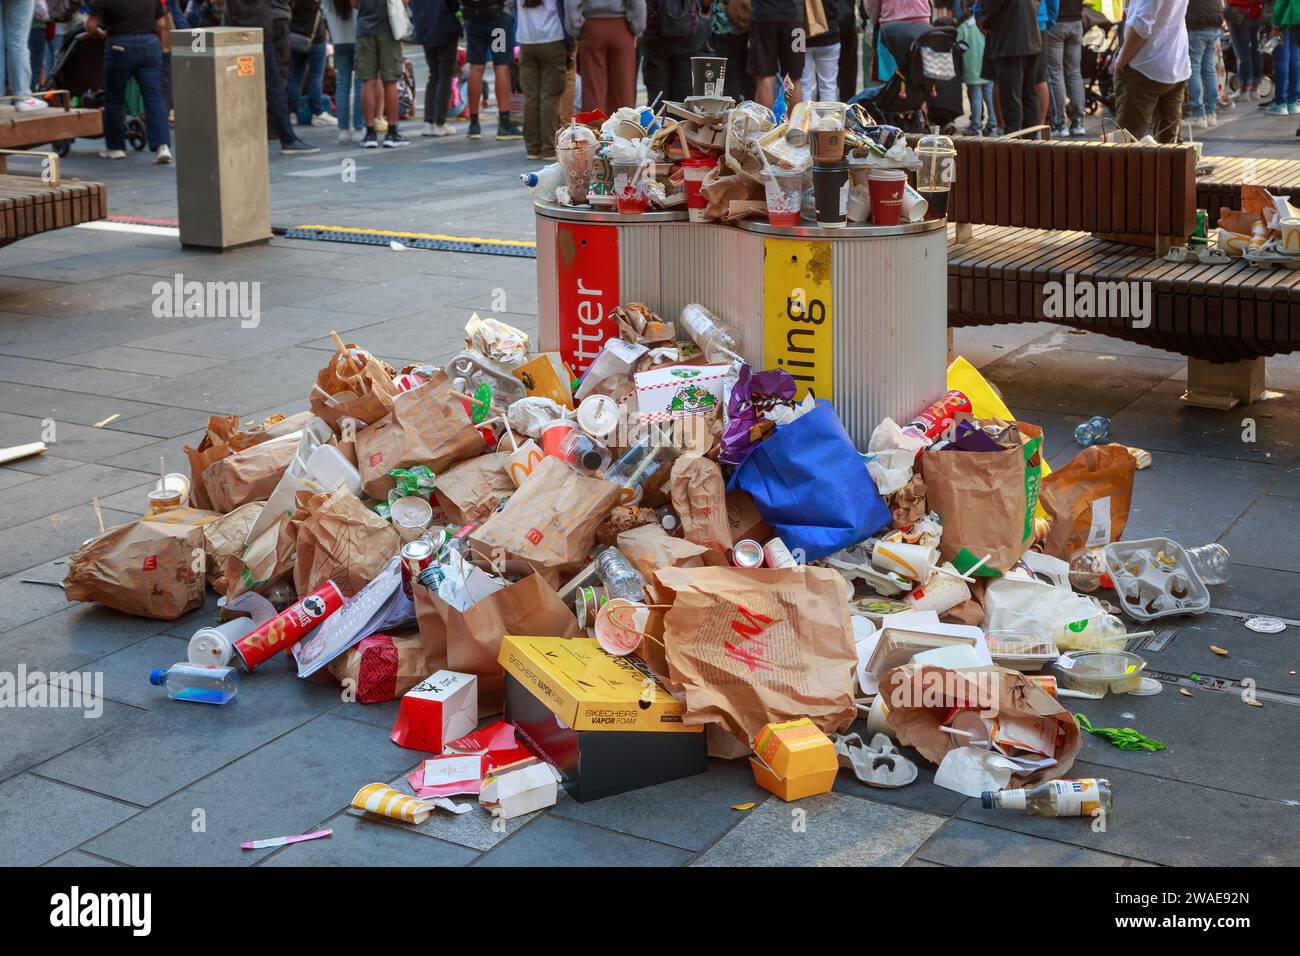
x,y
699,498
650,548
986,499
907,504
550,522
472,490
753,646
427,426
365,395
343,541
227,536
1087,501
919,698
469,642
351,665
225,436
249,475
623,518
151,568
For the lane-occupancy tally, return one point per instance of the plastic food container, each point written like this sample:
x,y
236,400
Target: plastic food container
x,y
1020,650
1096,672
1155,578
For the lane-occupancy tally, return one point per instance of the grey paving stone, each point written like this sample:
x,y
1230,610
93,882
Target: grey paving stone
x,y
961,843
689,813
67,484
276,327
74,378
1267,659
363,842
78,859
143,360
69,440
22,601
830,829
1264,537
126,672
919,795
980,348
165,423
1079,340
73,637
32,735
377,715
264,378
44,818
52,536
10,478
399,297
1099,384
35,401
438,334
144,457
170,747
1167,822
554,841
1260,591
1192,499
291,785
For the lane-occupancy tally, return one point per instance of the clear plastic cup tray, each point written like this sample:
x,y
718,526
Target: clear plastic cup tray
x,y
1154,578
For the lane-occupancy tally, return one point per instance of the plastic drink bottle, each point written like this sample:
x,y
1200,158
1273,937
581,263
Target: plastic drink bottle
x,y
544,182
583,453
638,463
201,683
1212,562
1057,798
621,579
1094,430
719,342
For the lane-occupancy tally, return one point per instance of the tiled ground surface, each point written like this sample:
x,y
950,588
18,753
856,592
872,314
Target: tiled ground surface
x,y
148,781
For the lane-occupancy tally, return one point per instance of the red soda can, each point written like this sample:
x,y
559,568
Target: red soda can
x,y
934,421
416,556
289,626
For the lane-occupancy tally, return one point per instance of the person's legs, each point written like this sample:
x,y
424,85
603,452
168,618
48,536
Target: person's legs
x,y
148,75
117,70
1196,44
17,22
791,55
1292,46
827,72
367,72
446,60
36,52
1167,116
316,81
551,71
622,64
277,111
656,68
1054,40
1010,77
345,55
1072,66
976,96
1136,98
763,61
294,99
847,68
530,78
680,83
593,66
733,47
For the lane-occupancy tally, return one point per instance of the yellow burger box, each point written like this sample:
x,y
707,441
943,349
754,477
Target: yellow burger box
x,y
794,759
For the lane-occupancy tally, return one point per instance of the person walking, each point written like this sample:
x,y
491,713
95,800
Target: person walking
x,y
543,53
342,24
1152,68
730,39
1286,58
1014,46
132,49
978,90
490,35
307,43
379,66
437,30
667,48
1245,17
607,31
777,41
848,67
1064,41
1204,27
821,62
257,13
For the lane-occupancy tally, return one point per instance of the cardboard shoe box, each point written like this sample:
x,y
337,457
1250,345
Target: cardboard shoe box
x,y
794,759
608,724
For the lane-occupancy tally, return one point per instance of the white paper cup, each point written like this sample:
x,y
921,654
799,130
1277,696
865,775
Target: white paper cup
x,y
521,462
939,593
216,645
1290,235
915,206
859,206
910,560
598,416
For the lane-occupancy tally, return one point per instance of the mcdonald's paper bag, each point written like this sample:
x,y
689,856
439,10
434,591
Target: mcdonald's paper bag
x,y
343,541
224,436
700,499
649,547
361,389
427,426
472,490
1087,501
151,568
470,641
757,646
551,521
249,475
226,536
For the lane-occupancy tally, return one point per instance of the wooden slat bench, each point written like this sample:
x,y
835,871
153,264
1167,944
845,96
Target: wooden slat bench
x,y
1100,215
1221,186
60,122
32,204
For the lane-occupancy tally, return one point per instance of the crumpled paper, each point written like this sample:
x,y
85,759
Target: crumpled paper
x,y
972,770
526,416
891,455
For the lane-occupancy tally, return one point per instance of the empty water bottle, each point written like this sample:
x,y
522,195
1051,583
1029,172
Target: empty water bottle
x,y
584,453
1093,431
620,578
202,683
544,182
1212,562
644,459
719,342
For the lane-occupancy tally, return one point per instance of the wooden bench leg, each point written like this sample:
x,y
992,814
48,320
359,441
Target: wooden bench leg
x,y
964,232
1223,385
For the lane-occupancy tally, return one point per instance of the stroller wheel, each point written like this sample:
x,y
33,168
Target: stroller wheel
x,y
135,133
62,147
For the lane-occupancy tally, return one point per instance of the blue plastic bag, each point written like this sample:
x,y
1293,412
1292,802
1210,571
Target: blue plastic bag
x,y
810,484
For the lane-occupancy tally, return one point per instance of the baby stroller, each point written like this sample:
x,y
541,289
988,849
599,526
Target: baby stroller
x,y
1100,47
79,69
926,89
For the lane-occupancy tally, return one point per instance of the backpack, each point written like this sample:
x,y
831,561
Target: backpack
x,y
675,18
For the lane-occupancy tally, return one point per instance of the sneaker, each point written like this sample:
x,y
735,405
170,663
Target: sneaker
x,y
1199,122
1211,120
1060,132
442,129
293,119
475,131
163,156
394,139
1278,109
1078,129
509,131
358,135
371,139
112,154
971,131
324,119
345,136
1294,108
299,147
30,105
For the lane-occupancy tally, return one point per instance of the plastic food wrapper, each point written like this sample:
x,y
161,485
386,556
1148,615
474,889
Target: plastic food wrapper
x,y
418,481
891,455
753,646
1019,601
526,416
785,414
498,341
752,394
144,567
382,800
610,372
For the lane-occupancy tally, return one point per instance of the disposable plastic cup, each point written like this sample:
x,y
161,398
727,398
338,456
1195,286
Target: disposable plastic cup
x,y
784,190
694,169
630,194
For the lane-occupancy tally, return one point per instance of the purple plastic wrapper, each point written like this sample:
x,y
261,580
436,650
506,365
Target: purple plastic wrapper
x,y
969,437
751,395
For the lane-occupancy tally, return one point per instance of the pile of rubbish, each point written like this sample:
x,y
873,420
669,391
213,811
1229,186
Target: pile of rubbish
x,y
1265,231
826,162
671,557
